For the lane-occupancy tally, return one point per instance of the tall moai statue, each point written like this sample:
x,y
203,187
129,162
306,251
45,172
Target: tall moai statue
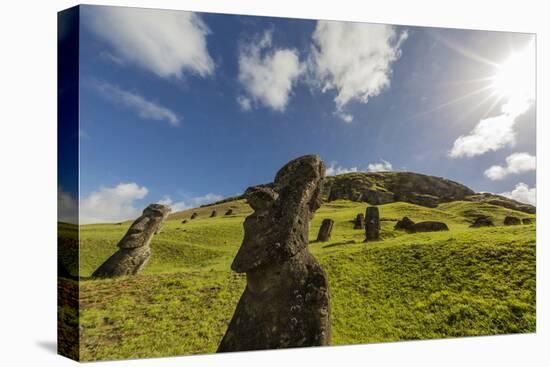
x,y
359,222
325,230
372,224
286,300
134,248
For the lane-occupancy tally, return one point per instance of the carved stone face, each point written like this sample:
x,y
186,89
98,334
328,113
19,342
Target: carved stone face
x,y
279,226
142,230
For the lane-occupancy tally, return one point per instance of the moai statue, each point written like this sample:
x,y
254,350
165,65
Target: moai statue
x,y
359,222
325,230
372,224
194,215
134,248
286,300
214,213
229,212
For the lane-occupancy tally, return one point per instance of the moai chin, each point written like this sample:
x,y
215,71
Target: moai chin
x,y
286,300
134,248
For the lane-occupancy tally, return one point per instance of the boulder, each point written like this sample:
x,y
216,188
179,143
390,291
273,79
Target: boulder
x,y
482,221
134,248
286,300
405,224
511,221
372,224
429,226
325,230
359,222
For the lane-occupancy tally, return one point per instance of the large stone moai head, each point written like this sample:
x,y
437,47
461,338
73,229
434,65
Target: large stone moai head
x,y
134,248
279,226
143,229
286,302
372,224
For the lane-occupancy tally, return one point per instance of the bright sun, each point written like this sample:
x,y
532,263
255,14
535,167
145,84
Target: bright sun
x,y
515,77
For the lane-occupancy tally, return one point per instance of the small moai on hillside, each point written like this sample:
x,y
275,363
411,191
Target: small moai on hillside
x,y
134,248
184,221
527,221
359,222
325,230
213,214
372,224
194,215
286,300
405,224
511,221
229,212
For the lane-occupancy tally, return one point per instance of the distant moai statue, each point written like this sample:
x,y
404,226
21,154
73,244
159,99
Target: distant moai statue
x,y
286,300
214,213
325,230
194,215
134,248
359,222
229,212
372,224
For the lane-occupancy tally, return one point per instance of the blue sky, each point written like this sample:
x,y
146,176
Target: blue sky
x,y
187,108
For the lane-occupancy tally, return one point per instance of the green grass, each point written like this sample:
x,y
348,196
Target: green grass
x,y
409,286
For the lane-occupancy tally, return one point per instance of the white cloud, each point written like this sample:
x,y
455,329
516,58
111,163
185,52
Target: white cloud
x,y
67,207
334,169
491,134
515,163
245,103
354,59
380,167
193,202
112,204
522,193
346,117
267,73
145,109
167,43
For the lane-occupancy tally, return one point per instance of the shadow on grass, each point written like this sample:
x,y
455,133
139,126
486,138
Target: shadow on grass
x,y
339,244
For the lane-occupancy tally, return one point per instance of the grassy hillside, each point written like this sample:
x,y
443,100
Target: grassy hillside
x,y
408,286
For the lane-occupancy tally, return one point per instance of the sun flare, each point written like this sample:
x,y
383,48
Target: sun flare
x,y
515,77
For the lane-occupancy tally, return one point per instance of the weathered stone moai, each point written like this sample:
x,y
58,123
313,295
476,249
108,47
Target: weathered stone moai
x,y
229,212
214,213
405,224
194,215
325,230
527,221
482,221
184,221
359,222
372,224
511,221
134,248
286,300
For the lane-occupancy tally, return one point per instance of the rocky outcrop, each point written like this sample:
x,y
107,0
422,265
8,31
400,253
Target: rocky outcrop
x,y
511,221
429,226
405,224
359,222
372,224
134,248
325,230
286,300
482,221
502,201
